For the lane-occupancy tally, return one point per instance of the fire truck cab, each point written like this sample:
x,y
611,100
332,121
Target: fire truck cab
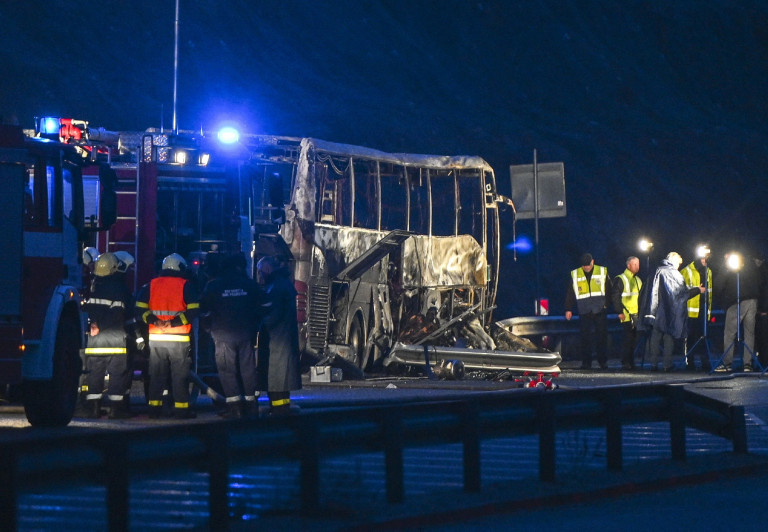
x,y
42,232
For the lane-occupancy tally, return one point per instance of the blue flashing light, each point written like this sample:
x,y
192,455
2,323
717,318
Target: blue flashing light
x,y
522,245
49,125
228,135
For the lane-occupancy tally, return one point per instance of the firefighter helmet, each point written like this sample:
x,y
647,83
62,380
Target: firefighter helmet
x,y
105,265
125,260
90,255
175,262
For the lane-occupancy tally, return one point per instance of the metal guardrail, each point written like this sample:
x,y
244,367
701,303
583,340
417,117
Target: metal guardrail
x,y
33,461
563,334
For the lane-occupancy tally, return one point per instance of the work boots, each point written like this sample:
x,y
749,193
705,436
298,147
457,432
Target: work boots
x,y
119,411
234,410
93,409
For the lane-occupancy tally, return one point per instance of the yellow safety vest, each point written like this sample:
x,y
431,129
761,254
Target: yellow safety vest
x,y
693,279
590,296
629,294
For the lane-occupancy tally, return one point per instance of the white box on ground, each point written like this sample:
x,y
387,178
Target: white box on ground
x,y
325,374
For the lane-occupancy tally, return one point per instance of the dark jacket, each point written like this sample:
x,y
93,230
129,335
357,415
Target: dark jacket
x,y
665,303
108,307
278,360
232,301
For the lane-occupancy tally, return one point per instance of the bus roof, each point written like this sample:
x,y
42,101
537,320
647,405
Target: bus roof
x,y
350,150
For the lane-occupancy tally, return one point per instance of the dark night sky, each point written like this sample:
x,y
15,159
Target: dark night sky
x,y
657,109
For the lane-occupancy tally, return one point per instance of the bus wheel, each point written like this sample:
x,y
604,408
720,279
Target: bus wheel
x,y
51,403
357,342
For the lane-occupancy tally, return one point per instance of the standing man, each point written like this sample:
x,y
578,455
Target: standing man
x,y
665,310
233,301
168,304
740,292
278,364
698,307
626,292
589,292
107,308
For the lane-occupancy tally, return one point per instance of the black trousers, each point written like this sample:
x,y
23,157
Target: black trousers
x,y
169,358
119,376
628,343
594,336
236,364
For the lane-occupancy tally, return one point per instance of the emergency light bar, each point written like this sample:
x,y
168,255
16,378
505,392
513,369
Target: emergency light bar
x,y
49,125
228,135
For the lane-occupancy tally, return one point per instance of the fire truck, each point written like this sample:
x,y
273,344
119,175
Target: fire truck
x,y
175,192
43,230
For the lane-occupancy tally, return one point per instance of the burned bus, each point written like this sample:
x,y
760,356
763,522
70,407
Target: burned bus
x,y
395,257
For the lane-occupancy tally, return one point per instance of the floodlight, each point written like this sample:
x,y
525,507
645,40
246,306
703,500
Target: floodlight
x,y
180,156
702,251
734,261
645,245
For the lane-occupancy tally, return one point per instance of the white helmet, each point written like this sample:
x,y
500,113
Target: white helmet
x,y
105,265
90,255
125,260
175,262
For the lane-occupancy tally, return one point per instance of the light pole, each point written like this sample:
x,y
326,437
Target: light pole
x,y
646,246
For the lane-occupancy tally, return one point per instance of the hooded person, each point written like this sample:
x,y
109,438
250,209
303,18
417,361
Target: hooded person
x,y
665,310
278,353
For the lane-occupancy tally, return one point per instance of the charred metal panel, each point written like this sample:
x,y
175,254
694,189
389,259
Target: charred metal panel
x,y
343,245
443,261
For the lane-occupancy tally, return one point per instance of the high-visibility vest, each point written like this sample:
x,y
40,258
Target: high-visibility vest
x,y
590,296
693,279
166,301
630,293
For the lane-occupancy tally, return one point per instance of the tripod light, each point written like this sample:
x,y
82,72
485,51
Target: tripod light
x,y
702,252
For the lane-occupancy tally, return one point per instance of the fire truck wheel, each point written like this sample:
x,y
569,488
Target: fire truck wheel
x,y
51,403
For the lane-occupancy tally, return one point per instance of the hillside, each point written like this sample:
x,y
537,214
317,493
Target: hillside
x,y
657,109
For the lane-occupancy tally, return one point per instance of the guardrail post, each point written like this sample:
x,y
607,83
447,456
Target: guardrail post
x,y
470,426
677,421
393,456
9,498
218,480
613,436
738,429
115,456
546,415
310,465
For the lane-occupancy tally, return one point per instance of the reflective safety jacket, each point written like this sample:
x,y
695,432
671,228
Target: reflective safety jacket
x,y
107,308
168,298
630,292
590,295
692,278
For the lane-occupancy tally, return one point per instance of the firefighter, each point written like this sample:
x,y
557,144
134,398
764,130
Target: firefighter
x,y
278,353
168,304
107,307
232,302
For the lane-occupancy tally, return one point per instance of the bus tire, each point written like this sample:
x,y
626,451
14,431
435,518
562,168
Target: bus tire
x,y
357,342
51,403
